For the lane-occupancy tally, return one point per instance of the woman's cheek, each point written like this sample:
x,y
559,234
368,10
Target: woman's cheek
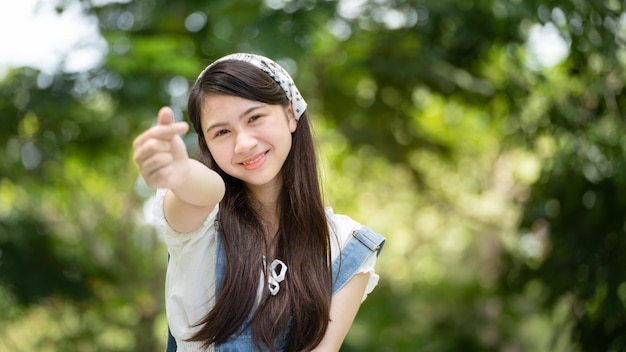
x,y
221,154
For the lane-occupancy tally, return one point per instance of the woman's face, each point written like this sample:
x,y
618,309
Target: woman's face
x,y
248,139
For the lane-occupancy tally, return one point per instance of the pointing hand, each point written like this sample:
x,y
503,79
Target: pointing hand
x,y
160,152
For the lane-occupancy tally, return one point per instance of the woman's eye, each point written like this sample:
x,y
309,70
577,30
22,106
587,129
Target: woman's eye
x,y
221,133
254,118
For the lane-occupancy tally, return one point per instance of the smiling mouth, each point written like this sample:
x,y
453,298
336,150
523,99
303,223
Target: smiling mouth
x,y
257,159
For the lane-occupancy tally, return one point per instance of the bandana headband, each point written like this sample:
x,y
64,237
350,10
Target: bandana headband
x,y
274,70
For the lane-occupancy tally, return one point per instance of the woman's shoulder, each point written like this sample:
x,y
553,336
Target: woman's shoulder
x,y
341,226
168,232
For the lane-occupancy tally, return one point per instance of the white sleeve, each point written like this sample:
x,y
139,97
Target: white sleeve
x,y
176,240
341,231
368,267
190,277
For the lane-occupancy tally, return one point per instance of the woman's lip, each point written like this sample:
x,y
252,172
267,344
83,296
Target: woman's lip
x,y
255,161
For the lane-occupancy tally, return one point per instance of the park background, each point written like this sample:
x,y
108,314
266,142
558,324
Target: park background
x,y
484,138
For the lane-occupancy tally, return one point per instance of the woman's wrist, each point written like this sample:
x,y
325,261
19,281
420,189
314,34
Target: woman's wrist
x,y
198,185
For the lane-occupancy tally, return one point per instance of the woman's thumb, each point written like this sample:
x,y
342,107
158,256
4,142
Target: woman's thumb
x,y
165,116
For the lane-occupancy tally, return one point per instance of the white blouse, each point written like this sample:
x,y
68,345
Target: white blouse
x,y
190,278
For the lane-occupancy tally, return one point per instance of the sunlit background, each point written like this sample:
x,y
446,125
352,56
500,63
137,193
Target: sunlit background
x,y
36,34
485,139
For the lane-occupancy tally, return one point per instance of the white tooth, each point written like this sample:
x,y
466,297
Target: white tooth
x,y
253,161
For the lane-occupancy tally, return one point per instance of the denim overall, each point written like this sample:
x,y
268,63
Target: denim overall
x,y
359,247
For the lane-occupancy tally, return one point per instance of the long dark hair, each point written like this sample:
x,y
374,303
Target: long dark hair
x,y
302,241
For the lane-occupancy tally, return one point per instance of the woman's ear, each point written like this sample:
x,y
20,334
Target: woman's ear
x,y
291,119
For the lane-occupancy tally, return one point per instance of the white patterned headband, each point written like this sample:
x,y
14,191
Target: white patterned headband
x,y
274,70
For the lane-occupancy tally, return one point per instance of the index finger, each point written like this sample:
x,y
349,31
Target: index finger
x,y
164,132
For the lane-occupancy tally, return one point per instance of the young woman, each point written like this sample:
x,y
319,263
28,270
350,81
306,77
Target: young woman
x,y
256,262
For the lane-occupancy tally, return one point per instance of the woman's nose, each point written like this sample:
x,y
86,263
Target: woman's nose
x,y
245,142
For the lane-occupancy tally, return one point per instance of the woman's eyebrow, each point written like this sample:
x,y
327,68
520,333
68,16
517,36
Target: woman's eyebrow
x,y
222,123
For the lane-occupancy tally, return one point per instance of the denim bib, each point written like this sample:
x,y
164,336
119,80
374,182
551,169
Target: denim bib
x,y
359,247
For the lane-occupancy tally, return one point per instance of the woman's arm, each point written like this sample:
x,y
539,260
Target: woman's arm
x,y
162,157
343,309
187,206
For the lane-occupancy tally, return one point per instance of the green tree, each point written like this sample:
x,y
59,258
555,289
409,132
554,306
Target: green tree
x,y
498,181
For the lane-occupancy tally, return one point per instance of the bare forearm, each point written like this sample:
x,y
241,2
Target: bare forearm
x,y
343,310
187,205
201,187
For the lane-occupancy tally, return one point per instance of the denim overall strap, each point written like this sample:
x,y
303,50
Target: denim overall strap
x,y
242,339
363,243
221,263
171,341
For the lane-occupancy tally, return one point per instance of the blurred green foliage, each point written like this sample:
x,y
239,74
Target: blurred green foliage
x,y
500,182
